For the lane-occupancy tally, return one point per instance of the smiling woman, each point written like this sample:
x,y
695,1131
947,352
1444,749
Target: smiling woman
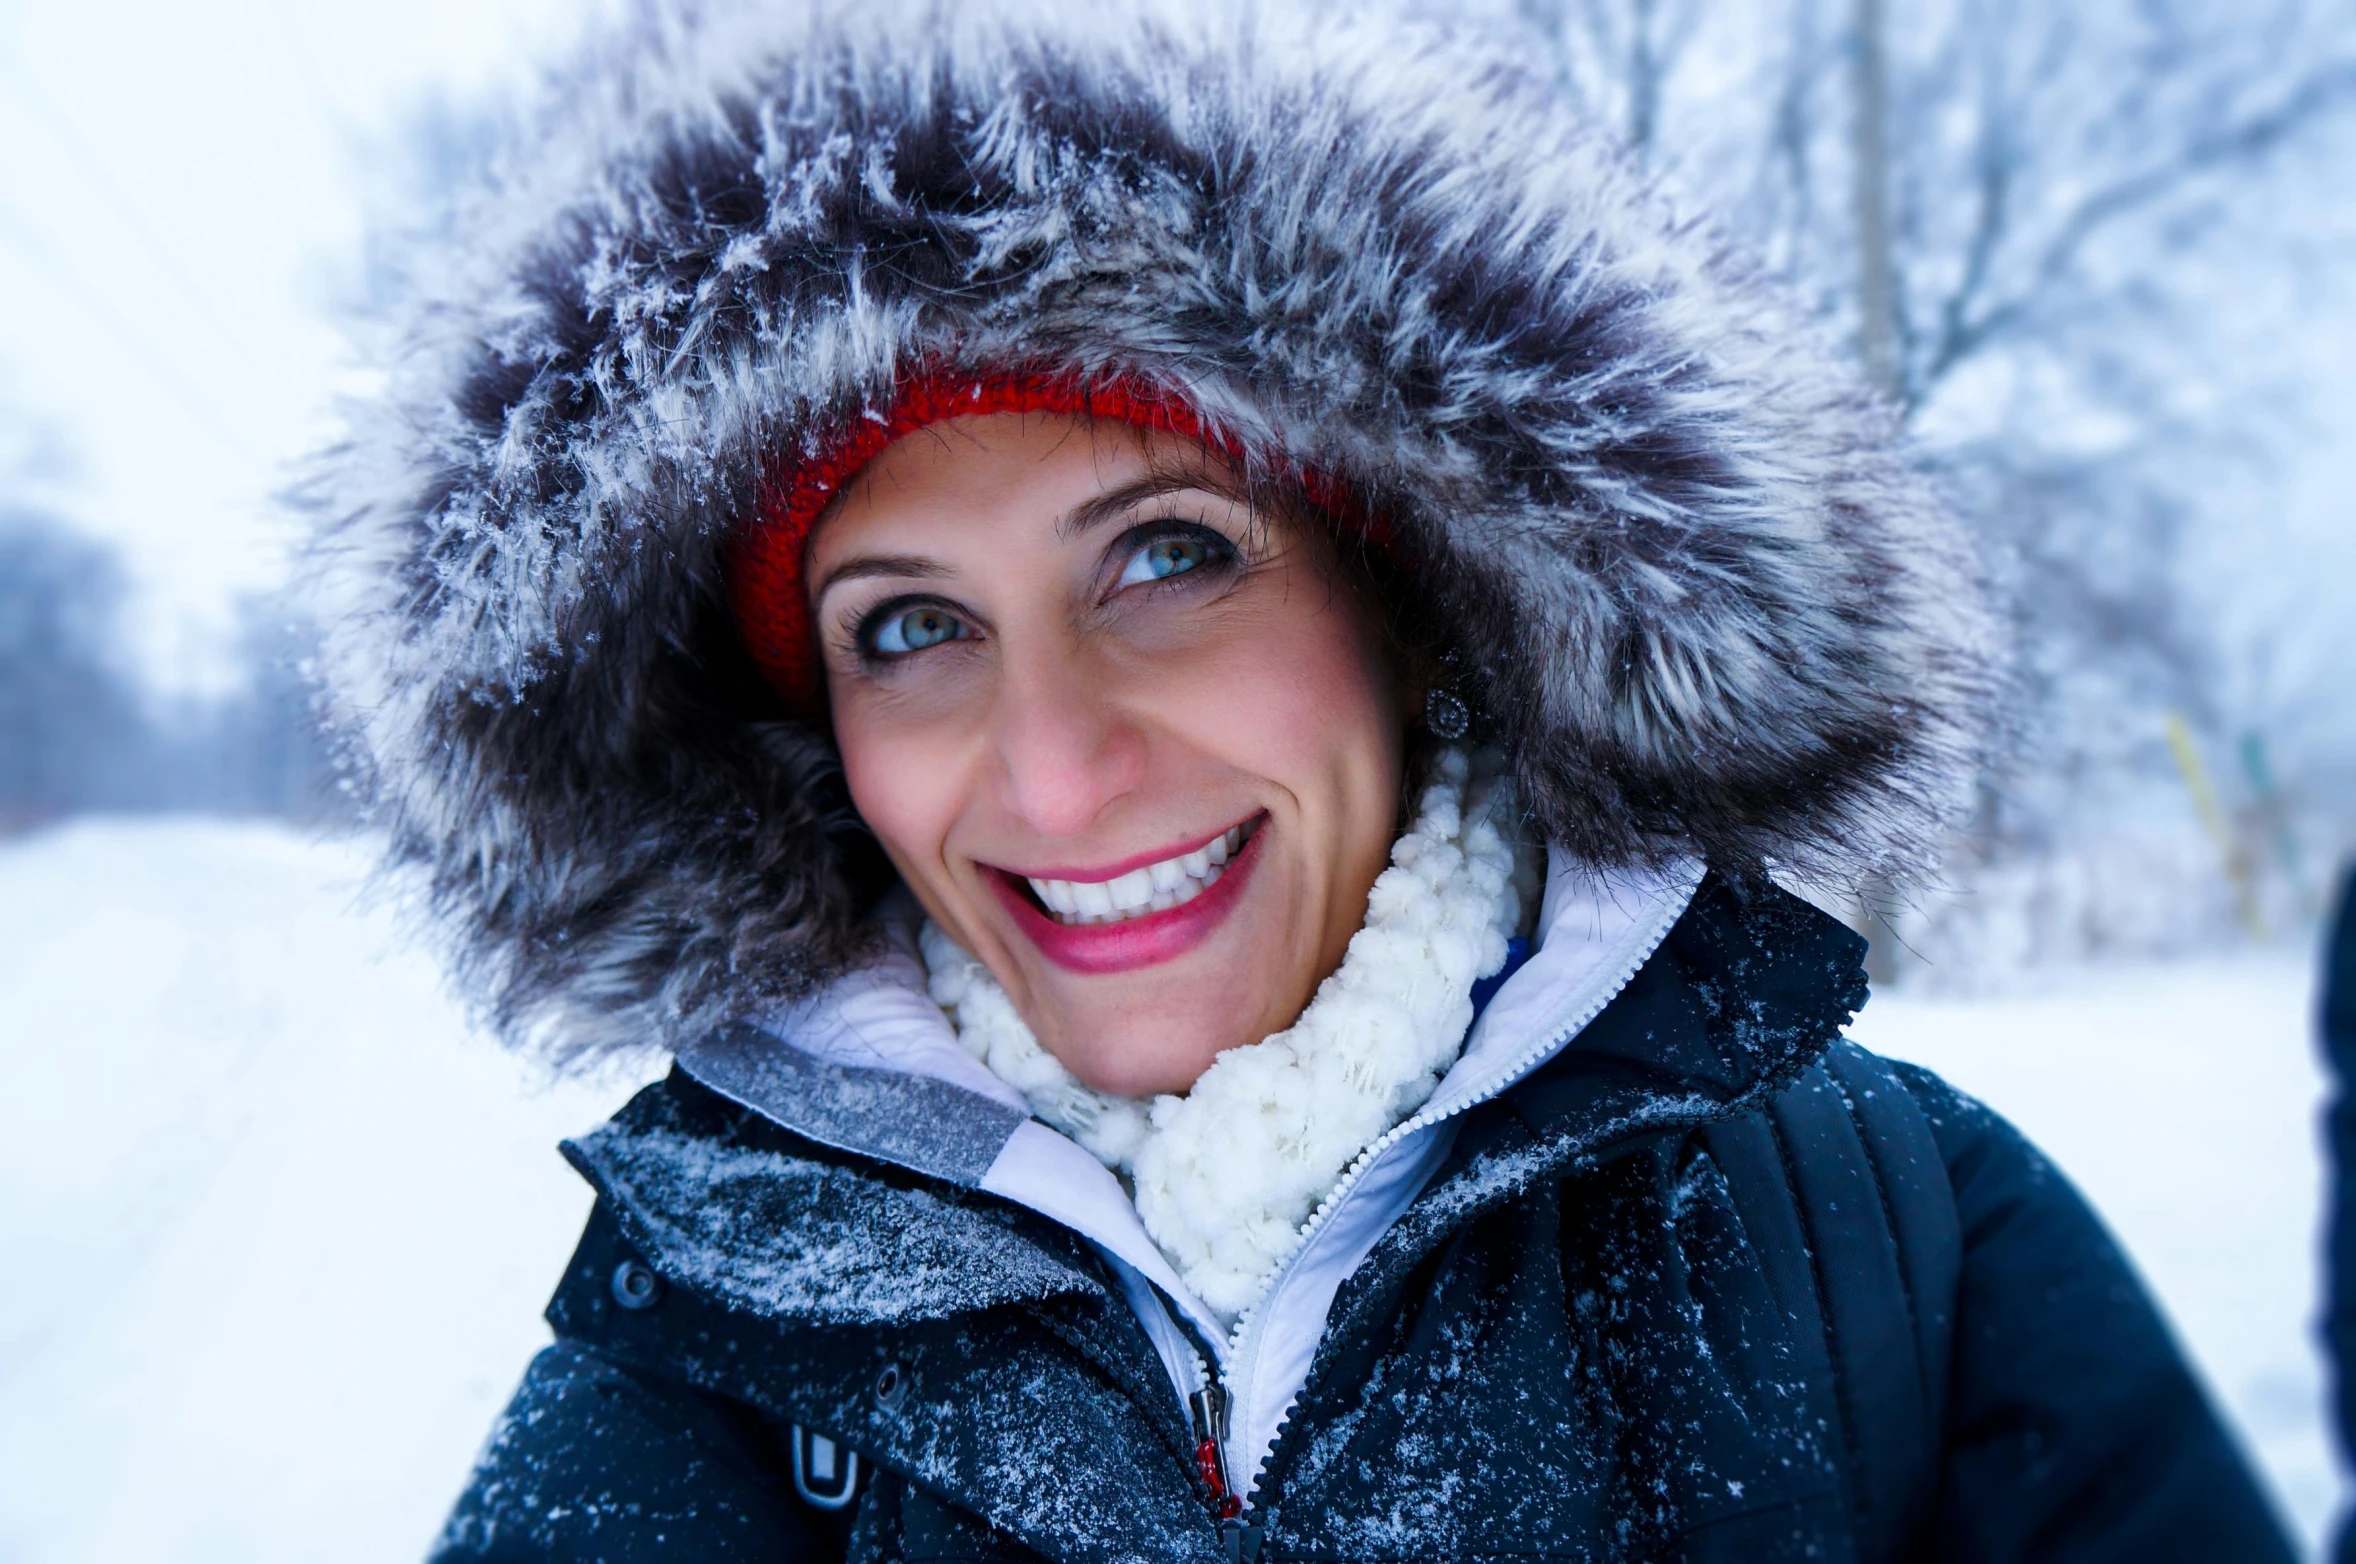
x,y
1138,744
1181,658
1070,668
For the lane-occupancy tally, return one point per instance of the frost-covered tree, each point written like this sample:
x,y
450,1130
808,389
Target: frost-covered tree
x,y
270,756
71,729
79,728
2043,227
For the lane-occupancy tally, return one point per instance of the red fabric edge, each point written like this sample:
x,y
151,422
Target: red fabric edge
x,y
765,561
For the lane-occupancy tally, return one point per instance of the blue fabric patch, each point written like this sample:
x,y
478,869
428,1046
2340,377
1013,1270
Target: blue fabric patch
x,y
1517,951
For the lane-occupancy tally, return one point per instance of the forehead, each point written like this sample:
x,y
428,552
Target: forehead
x,y
998,476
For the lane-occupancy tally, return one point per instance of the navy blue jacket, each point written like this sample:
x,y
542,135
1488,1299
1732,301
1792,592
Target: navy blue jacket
x,y
1713,1285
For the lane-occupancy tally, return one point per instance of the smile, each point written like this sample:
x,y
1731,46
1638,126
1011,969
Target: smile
x,y
1124,916
1156,887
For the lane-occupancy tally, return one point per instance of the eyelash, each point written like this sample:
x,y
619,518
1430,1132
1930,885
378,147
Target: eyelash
x,y
872,624
1221,557
1220,552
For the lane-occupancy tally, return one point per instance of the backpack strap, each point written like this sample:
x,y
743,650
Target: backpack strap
x,y
1845,1199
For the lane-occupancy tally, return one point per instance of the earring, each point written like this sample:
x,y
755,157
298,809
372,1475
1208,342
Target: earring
x,y
1446,714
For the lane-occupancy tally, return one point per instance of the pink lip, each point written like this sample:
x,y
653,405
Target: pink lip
x,y
1093,949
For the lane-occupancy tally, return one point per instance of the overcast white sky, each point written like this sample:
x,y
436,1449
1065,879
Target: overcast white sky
x,y
180,197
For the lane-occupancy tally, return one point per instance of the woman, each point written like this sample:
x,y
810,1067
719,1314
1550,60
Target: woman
x,y
1170,656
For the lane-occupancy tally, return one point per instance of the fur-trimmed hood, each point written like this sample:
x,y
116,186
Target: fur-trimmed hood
x,y
1704,603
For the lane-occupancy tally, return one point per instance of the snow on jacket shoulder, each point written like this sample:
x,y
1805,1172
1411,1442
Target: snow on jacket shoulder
x,y
1709,1285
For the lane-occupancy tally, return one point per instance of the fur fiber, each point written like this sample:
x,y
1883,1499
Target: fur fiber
x,y
1691,582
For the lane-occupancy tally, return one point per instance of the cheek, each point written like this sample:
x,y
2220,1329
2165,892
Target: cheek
x,y
1309,701
903,786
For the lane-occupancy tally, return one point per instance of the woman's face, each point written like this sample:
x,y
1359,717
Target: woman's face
x,y
1135,746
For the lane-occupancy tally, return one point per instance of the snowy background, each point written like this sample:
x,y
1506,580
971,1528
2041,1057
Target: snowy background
x,y
276,1223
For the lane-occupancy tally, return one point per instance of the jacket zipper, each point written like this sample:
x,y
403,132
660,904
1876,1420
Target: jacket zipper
x,y
1241,1336
1209,1407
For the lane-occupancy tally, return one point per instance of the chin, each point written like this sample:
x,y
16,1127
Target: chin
x,y
1165,1069
1139,1005
1156,1028
1145,1045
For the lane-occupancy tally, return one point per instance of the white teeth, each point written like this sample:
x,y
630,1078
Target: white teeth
x,y
1130,891
1157,887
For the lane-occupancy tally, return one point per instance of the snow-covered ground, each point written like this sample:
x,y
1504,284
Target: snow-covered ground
x,y
275,1228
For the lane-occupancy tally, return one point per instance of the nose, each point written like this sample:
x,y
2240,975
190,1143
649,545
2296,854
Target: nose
x,y
1065,751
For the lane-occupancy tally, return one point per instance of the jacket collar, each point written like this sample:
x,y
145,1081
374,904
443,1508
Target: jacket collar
x,y
871,1067
721,1200
1746,992
1747,987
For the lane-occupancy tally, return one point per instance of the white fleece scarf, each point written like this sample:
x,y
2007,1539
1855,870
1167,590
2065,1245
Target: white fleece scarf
x,y
1226,1176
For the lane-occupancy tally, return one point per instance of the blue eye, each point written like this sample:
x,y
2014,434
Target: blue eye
x,y
1164,558
914,629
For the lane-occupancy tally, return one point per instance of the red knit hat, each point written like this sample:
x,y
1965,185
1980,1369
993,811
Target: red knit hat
x,y
765,562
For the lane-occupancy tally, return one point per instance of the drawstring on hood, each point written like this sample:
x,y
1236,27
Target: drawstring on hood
x,y
1225,1176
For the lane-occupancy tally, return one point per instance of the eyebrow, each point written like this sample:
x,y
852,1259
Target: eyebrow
x,y
1114,503
1089,514
871,565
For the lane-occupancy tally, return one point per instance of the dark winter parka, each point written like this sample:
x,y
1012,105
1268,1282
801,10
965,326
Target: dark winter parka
x,y
1702,1282
1710,1285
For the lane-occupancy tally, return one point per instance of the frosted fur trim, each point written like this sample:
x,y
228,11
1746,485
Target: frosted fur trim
x,y
1696,592
1225,1176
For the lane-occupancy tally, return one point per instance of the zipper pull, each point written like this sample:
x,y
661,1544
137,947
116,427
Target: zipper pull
x,y
1209,1406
